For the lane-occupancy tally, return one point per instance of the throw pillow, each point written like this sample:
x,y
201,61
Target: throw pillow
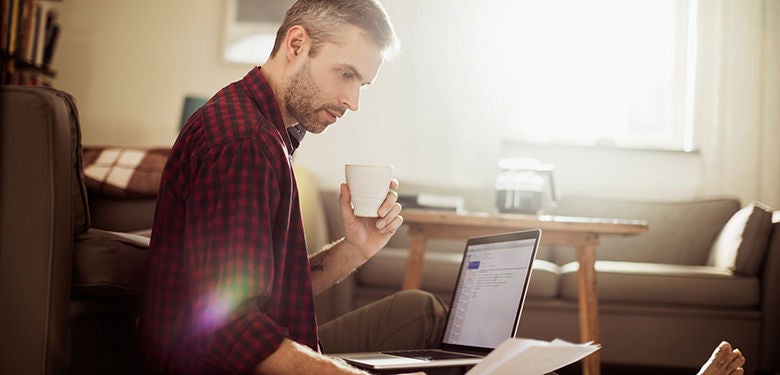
x,y
742,243
123,172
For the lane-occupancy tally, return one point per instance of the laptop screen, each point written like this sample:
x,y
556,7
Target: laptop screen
x,y
491,287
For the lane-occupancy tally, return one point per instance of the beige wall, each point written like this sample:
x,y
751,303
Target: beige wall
x,y
130,63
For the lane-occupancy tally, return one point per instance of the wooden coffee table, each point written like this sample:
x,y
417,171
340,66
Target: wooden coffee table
x,y
580,232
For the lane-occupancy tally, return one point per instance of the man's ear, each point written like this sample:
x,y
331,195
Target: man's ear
x,y
296,41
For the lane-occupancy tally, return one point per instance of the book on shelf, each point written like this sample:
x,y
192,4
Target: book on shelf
x,y
26,28
39,35
5,10
50,43
13,25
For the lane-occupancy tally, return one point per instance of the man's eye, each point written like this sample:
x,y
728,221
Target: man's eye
x,y
346,74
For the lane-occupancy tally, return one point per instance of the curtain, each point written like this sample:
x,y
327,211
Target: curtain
x,y
737,98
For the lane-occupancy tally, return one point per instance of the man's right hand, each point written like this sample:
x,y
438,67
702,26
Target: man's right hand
x,y
294,358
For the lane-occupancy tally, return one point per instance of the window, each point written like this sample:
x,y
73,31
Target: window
x,y
598,72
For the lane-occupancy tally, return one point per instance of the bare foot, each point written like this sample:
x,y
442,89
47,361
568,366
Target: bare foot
x,y
724,361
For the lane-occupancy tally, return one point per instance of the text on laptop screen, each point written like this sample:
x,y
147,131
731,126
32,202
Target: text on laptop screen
x,y
490,287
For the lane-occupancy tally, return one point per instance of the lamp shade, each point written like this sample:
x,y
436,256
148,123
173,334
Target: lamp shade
x,y
191,104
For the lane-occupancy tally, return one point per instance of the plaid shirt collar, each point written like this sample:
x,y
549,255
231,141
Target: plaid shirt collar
x,y
264,98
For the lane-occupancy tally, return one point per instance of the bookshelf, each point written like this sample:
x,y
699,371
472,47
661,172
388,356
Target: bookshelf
x,y
29,31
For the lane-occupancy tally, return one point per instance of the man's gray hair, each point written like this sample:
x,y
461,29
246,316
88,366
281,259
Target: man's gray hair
x,y
323,20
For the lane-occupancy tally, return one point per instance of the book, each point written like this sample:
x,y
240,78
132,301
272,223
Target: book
x,y
5,10
25,30
37,34
428,201
51,37
13,25
44,18
531,357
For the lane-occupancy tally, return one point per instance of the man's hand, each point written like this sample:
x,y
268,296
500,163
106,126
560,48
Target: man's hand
x,y
364,237
294,358
369,234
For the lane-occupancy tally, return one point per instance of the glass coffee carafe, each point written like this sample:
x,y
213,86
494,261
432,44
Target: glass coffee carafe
x,y
523,184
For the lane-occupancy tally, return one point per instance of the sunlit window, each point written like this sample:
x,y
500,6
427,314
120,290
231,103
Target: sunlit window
x,y
600,72
572,72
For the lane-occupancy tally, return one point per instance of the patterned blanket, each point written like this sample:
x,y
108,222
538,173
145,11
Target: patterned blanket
x,y
123,172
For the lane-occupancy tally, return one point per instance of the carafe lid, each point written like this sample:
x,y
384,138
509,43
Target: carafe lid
x,y
524,163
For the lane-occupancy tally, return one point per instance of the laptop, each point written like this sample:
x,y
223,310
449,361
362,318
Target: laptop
x,y
485,309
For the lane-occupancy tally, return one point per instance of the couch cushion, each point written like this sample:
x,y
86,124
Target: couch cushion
x,y
743,241
668,239
121,214
666,284
440,272
544,279
109,264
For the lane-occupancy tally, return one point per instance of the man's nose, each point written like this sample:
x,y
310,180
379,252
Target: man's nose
x,y
352,100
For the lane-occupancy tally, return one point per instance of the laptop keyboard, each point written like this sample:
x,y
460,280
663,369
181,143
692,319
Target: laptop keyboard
x,y
429,355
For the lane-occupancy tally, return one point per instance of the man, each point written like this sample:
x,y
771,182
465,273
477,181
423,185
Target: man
x,y
230,286
229,282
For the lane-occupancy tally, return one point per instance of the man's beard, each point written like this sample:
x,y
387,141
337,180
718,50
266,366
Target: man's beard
x,y
299,98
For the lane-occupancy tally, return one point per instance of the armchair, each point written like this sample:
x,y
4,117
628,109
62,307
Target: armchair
x,y
70,292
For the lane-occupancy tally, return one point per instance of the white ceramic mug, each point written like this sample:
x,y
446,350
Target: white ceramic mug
x,y
368,186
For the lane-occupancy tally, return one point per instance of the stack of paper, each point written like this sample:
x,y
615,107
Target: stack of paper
x,y
531,357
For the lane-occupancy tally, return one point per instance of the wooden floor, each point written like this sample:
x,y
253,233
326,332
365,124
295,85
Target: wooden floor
x,y
574,369
607,369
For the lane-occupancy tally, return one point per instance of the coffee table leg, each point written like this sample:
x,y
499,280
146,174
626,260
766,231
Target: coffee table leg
x,y
414,262
588,301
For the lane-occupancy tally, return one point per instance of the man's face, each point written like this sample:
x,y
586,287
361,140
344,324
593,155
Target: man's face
x,y
329,84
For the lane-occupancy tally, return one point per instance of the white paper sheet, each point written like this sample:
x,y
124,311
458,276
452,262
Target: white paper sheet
x,y
531,357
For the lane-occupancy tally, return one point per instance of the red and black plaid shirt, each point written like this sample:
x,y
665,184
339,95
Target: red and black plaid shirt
x,y
228,275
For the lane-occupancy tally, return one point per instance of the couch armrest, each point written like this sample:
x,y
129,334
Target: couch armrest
x,y
335,301
770,304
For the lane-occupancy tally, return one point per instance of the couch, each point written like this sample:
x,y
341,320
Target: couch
x,y
666,298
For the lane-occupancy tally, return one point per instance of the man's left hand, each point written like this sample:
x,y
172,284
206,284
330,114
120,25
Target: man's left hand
x,y
370,234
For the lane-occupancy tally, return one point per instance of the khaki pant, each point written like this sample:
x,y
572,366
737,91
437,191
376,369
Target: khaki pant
x,y
410,319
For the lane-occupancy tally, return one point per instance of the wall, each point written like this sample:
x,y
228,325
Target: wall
x,y
130,63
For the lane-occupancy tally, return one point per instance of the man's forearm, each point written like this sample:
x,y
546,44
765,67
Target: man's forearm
x,y
333,263
294,358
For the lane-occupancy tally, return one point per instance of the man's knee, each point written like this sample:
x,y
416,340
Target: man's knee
x,y
427,302
415,319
